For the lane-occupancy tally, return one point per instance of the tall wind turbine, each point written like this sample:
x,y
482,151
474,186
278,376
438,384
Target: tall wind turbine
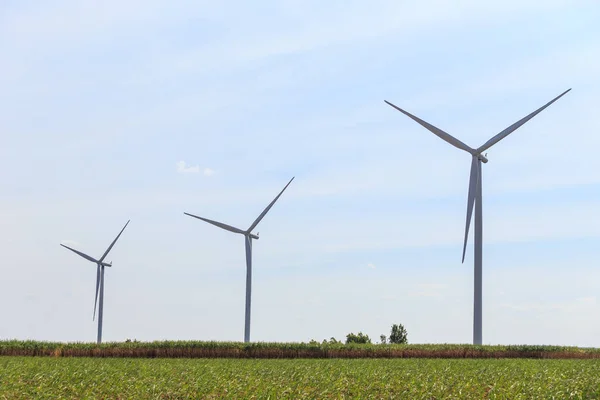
x,y
474,198
100,264
248,236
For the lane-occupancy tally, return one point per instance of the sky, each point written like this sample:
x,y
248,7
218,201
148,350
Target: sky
x,y
144,110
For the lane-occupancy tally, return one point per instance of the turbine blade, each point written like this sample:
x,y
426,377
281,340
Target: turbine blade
x,y
113,243
219,224
266,210
80,253
473,182
435,130
97,287
516,125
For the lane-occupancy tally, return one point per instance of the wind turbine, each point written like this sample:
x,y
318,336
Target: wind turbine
x,y
248,236
474,198
99,279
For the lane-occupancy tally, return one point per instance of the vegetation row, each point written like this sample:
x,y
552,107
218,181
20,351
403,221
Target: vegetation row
x,y
313,349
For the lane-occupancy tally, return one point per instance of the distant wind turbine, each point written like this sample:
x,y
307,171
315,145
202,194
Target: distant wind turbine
x,y
99,279
474,198
248,236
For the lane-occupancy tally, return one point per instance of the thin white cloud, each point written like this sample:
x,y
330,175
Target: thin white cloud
x,y
428,290
208,172
183,169
337,25
424,293
574,305
432,286
371,265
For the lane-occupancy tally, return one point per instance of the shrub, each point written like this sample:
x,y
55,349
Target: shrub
x,y
359,338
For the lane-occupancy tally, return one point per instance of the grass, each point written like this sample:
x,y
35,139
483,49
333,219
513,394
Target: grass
x,y
124,378
197,349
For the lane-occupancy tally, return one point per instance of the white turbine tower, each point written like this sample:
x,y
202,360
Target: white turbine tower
x,y
475,199
248,236
99,279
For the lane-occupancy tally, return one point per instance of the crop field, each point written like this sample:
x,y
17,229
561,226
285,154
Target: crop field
x,y
139,378
199,349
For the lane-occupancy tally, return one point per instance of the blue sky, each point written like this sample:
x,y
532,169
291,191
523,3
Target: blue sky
x,y
142,110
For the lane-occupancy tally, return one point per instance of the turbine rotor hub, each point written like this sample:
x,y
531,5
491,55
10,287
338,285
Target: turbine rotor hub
x,y
252,235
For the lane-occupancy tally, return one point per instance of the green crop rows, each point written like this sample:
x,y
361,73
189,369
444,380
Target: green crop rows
x,y
124,378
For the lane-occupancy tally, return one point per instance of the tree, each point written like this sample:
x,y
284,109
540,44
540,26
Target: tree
x,y
383,339
360,338
331,341
398,334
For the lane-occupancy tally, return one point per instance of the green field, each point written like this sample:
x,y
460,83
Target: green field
x,y
125,378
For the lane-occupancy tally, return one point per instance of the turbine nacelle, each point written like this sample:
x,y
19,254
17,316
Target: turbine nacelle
x,y
481,157
252,235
